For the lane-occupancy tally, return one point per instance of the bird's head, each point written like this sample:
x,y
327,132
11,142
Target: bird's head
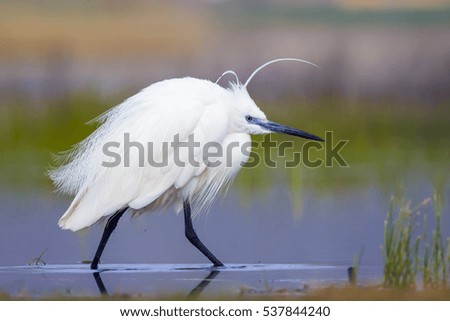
x,y
248,118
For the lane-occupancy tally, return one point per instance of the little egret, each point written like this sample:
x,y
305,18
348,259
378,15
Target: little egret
x,y
166,114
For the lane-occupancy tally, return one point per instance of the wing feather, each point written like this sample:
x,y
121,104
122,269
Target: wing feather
x,y
155,115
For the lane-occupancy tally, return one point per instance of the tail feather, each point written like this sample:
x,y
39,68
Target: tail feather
x,y
63,221
85,210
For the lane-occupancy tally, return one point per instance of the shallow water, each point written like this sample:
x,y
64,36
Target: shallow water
x,y
266,244
189,280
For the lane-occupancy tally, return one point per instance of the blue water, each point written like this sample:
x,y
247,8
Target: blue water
x,y
183,279
264,242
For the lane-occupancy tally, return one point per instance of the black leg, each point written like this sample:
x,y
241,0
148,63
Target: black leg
x,y
109,228
193,238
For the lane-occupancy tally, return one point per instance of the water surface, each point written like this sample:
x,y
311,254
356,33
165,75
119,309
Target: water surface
x,y
265,243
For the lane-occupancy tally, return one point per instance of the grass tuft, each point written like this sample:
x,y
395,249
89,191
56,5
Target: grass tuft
x,y
408,252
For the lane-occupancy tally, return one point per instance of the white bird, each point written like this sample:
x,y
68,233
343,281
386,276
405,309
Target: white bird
x,y
165,114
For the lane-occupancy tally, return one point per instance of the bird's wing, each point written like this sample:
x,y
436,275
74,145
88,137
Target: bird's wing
x,y
209,128
145,119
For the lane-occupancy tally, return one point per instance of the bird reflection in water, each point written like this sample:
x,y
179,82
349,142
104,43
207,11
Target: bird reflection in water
x,y
193,294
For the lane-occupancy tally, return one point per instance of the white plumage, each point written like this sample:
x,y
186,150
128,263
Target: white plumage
x,y
185,107
158,120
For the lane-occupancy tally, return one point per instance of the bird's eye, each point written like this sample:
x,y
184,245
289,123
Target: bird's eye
x,y
248,118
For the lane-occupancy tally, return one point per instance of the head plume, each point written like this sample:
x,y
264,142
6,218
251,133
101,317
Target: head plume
x,y
227,73
274,61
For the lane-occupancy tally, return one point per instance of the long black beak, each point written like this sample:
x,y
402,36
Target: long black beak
x,y
278,128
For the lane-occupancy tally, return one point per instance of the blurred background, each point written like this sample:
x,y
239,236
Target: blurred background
x,y
366,49
383,84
